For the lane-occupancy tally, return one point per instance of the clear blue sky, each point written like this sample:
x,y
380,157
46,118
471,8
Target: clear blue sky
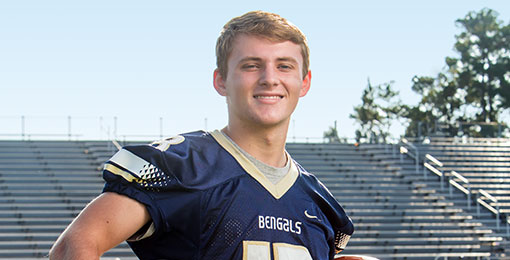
x,y
142,60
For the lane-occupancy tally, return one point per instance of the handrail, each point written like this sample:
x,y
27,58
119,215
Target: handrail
x,y
432,168
405,150
496,210
455,184
434,160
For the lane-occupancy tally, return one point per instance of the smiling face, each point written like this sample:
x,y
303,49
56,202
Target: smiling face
x,y
264,81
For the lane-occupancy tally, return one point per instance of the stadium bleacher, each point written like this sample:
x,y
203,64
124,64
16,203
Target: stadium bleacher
x,y
43,186
484,163
398,213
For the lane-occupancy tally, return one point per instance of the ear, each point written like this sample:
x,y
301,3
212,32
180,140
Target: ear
x,y
306,84
219,83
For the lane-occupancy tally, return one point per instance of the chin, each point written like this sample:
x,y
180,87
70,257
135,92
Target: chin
x,y
273,123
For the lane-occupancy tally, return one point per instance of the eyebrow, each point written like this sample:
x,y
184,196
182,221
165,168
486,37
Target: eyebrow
x,y
287,59
249,59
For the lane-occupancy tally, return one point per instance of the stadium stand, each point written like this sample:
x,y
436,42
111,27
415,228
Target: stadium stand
x,y
398,213
43,186
484,163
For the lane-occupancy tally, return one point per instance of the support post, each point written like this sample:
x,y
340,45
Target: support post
x,y
22,127
161,127
69,127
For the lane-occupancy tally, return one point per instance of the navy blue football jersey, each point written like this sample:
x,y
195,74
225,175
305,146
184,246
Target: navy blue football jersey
x,y
208,201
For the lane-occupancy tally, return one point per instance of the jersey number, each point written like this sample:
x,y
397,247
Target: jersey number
x,y
260,250
164,144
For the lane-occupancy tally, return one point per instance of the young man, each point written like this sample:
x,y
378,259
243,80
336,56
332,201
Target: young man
x,y
229,194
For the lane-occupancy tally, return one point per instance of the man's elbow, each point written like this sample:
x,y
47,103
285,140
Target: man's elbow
x,y
58,250
67,247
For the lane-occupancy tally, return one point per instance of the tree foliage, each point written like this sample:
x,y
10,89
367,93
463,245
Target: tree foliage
x,y
440,101
468,95
483,69
474,87
380,106
332,135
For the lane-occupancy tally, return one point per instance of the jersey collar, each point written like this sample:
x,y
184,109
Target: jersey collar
x,y
277,190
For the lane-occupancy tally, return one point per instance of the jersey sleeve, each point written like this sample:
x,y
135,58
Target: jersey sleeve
x,y
141,173
341,224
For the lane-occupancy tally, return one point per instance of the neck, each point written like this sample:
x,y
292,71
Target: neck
x,y
266,145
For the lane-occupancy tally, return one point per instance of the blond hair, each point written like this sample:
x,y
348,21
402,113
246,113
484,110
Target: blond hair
x,y
268,25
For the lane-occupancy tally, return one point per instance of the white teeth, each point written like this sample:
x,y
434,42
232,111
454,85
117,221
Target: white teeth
x,y
268,97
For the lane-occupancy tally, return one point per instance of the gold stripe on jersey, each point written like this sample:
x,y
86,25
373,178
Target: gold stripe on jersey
x,y
278,189
117,171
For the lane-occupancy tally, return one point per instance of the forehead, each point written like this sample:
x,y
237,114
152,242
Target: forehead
x,y
263,48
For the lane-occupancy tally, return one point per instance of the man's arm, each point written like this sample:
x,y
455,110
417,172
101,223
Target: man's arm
x,y
106,222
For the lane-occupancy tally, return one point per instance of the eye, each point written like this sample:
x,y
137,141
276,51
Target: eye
x,y
285,67
250,66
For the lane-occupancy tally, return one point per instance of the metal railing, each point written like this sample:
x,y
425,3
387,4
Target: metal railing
x,y
453,183
132,128
485,199
479,125
482,197
430,163
408,148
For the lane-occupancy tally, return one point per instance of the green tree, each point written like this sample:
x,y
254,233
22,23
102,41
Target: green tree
x,y
483,69
438,107
474,87
332,134
380,106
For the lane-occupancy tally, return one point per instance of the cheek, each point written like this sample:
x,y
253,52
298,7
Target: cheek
x,y
297,87
240,88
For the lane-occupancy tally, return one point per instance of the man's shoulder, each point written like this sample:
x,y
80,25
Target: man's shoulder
x,y
191,160
176,146
310,182
306,175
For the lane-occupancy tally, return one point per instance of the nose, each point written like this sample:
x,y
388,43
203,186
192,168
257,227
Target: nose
x,y
269,77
